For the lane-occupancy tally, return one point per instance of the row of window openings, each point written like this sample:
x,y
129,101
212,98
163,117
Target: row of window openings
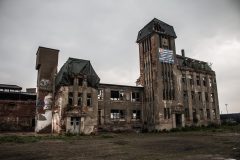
x,y
121,114
80,101
119,96
199,96
198,82
201,113
168,94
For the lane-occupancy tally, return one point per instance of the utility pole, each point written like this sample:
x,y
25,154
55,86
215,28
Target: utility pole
x,y
226,108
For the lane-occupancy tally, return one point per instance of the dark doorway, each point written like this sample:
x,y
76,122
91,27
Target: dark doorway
x,y
178,120
33,122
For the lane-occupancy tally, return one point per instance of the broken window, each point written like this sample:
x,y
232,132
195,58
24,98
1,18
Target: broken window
x,y
165,44
190,77
193,97
198,80
208,114
136,114
206,96
204,81
201,113
70,98
117,114
167,114
79,99
186,113
100,94
195,120
199,96
214,113
135,97
117,95
80,81
210,82
89,99
212,97
164,94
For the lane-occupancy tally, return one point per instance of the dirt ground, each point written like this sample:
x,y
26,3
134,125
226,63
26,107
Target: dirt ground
x,y
141,146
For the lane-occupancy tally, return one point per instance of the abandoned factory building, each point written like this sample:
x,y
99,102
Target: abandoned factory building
x,y
17,108
171,91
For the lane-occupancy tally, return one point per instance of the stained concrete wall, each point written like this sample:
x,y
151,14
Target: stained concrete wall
x,y
63,111
46,64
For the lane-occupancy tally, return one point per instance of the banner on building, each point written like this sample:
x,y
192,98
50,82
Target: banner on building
x,y
166,56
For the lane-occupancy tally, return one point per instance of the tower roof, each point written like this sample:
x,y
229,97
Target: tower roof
x,y
156,26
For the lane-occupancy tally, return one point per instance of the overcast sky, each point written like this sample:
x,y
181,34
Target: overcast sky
x,y
105,31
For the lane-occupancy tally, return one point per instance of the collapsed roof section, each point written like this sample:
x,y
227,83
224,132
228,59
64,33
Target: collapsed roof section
x,y
156,26
185,62
76,67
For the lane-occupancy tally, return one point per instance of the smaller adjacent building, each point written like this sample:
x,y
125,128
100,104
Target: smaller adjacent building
x,y
119,107
17,108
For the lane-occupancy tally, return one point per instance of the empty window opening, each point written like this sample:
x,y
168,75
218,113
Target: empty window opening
x,y
206,96
117,95
193,97
214,113
79,99
70,98
208,114
80,81
190,77
201,113
212,97
186,113
135,97
89,99
195,120
198,80
100,94
204,81
210,82
167,114
199,96
136,114
117,114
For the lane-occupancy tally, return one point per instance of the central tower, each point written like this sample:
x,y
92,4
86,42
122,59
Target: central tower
x,y
158,75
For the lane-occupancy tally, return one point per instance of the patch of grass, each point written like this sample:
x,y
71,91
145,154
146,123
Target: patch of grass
x,y
210,128
104,136
19,139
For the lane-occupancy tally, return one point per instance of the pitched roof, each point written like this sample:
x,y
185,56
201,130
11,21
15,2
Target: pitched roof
x,y
156,26
74,67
